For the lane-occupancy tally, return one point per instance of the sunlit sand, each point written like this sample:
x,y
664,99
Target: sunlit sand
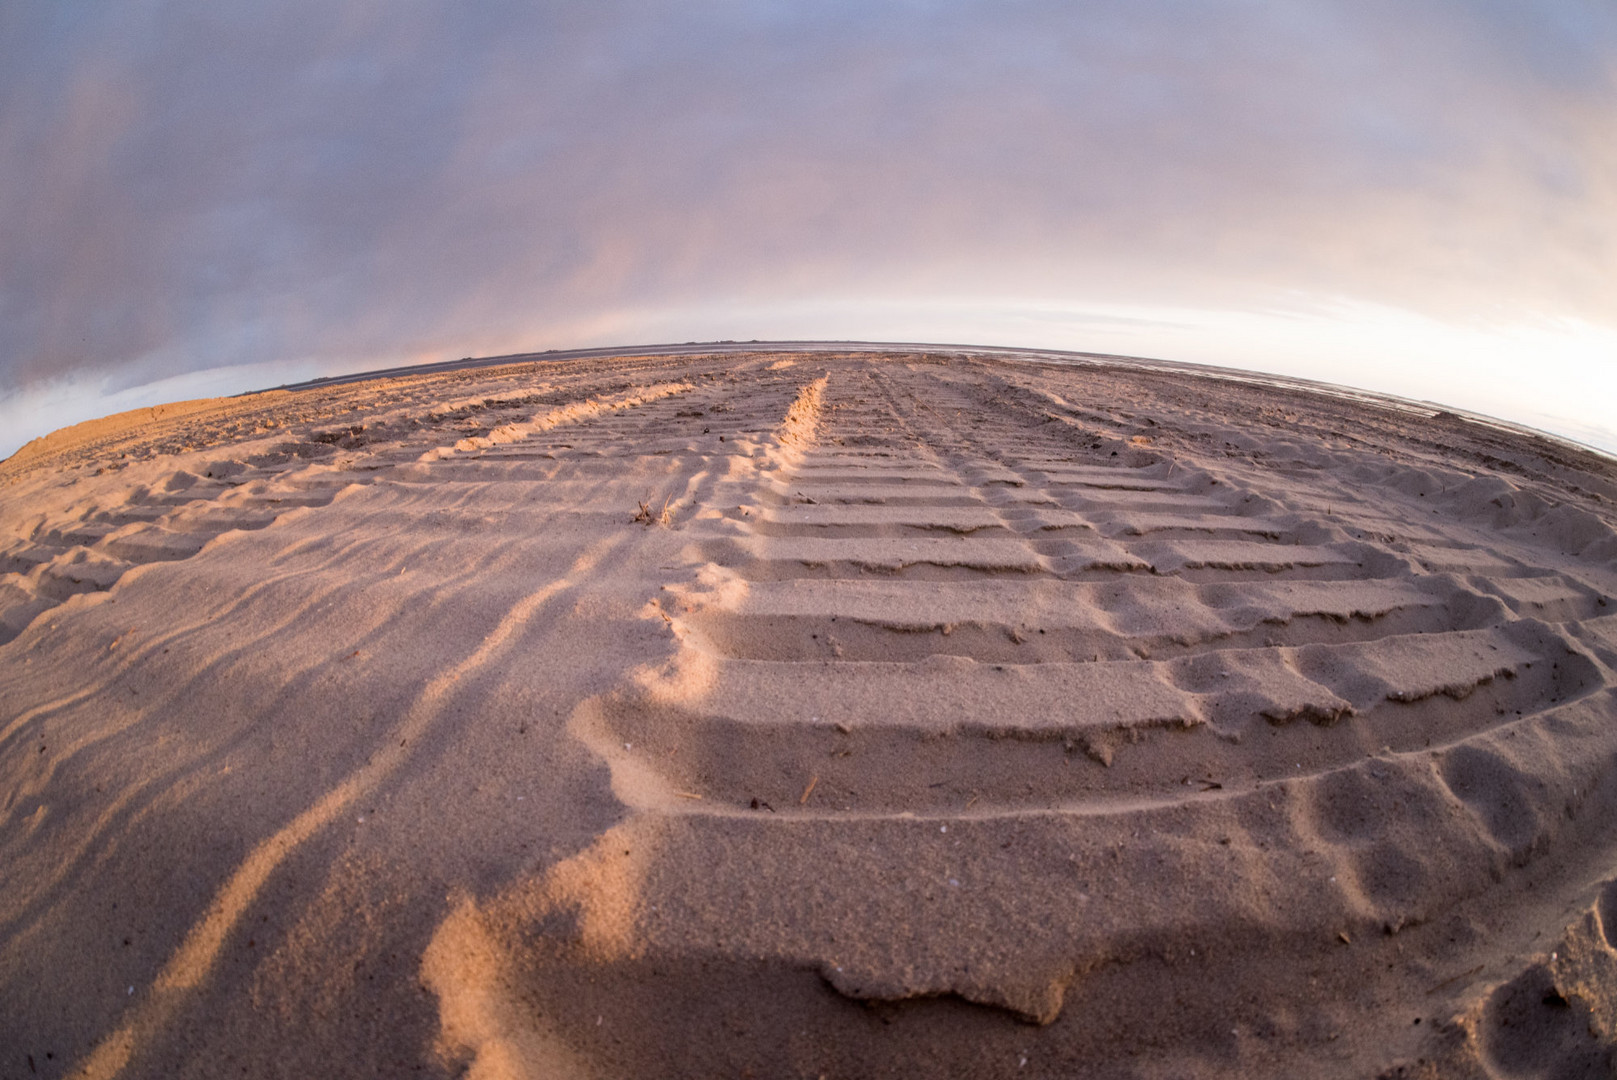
x,y
806,714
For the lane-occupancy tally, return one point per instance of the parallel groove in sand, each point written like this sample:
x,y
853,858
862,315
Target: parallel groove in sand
x,y
829,549
969,738
1024,718
92,550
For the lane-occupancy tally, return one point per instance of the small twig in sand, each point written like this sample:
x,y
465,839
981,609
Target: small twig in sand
x,y
687,795
808,791
645,516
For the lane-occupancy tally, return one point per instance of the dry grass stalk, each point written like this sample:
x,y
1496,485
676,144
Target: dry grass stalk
x,y
646,516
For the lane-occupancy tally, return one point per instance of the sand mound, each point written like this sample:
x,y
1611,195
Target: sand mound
x,y
808,715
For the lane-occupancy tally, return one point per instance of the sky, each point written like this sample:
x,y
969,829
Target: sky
x,y
1417,197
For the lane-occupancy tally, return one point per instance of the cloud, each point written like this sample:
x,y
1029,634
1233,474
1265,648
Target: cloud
x,y
185,187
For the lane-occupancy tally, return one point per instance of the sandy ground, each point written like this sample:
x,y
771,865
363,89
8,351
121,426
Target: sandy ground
x,y
783,715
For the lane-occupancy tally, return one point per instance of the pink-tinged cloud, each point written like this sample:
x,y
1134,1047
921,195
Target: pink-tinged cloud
x,y
195,187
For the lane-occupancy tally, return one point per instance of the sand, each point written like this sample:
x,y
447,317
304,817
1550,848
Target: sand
x,y
801,714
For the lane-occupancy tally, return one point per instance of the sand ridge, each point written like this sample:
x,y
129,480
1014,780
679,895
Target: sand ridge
x,y
942,724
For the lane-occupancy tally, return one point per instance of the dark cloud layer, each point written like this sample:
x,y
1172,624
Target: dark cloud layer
x,y
187,186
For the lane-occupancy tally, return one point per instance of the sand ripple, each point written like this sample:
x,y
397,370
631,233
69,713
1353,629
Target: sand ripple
x,y
960,718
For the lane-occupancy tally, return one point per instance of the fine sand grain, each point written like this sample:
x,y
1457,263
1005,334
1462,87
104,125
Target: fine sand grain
x,y
807,714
